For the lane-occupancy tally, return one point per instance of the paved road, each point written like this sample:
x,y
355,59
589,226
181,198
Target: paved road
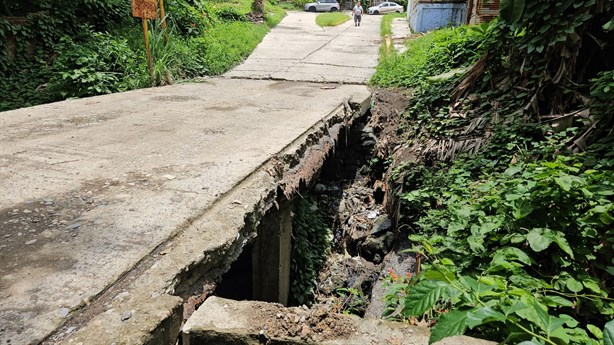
x,y
92,186
298,49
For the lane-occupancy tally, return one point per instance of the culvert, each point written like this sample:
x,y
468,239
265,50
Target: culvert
x,y
263,270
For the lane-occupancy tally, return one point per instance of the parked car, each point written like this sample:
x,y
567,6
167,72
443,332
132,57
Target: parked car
x,y
385,7
322,6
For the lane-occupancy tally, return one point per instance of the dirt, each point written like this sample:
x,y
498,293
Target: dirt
x,y
354,193
315,324
388,105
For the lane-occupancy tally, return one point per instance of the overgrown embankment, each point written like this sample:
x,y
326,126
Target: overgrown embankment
x,y
52,50
507,175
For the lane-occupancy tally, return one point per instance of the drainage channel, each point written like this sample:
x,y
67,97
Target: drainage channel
x,y
317,256
262,272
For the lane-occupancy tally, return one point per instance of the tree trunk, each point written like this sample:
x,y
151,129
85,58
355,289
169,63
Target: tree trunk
x,y
258,7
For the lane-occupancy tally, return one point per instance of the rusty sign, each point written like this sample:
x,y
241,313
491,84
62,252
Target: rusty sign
x,y
145,9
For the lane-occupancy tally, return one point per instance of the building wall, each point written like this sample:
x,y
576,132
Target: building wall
x,y
484,11
430,15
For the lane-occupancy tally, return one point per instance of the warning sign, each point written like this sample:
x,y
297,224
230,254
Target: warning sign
x,y
144,9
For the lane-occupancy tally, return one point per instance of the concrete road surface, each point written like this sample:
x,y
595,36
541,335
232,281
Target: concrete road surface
x,y
92,186
297,49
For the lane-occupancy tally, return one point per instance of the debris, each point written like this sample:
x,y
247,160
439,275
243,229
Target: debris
x,y
126,315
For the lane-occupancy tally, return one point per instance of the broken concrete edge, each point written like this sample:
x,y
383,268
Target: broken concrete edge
x,y
223,321
189,262
230,322
310,80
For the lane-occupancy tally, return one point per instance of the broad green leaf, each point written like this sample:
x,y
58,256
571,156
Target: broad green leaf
x,y
573,285
539,239
511,10
528,342
522,209
547,322
561,334
514,308
438,275
606,218
561,241
592,285
447,262
608,333
555,301
595,331
513,253
513,170
483,315
424,295
476,243
450,324
569,321
564,182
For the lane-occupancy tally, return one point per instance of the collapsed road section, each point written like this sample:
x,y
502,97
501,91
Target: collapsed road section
x,y
119,212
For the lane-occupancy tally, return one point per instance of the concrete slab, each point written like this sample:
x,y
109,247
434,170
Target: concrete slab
x,y
400,33
93,188
299,50
227,322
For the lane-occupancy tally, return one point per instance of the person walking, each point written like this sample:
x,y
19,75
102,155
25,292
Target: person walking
x,y
357,11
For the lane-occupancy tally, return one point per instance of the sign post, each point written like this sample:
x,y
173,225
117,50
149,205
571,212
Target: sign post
x,y
146,9
162,14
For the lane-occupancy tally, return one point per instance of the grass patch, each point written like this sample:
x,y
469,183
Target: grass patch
x,y
432,54
386,24
228,44
331,19
107,55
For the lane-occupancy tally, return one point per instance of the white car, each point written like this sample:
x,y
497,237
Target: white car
x,y
385,7
322,6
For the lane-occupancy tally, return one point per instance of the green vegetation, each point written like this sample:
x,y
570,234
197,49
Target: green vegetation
x,y
428,55
331,19
386,23
51,50
311,242
510,204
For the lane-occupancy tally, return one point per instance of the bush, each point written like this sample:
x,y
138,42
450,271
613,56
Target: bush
x,y
429,55
331,19
189,20
229,14
102,65
227,44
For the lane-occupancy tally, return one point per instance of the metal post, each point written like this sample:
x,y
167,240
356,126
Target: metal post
x,y
162,14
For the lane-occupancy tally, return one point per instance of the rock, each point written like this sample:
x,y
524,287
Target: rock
x,y
126,315
374,248
381,224
346,272
73,226
63,312
398,261
372,214
169,177
31,242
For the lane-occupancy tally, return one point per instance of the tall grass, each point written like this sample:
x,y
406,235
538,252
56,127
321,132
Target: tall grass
x,y
432,54
331,19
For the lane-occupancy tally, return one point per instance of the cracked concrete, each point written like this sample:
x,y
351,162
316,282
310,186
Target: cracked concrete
x,y
111,203
297,49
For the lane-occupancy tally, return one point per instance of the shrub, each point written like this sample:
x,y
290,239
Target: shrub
x,y
227,44
432,54
100,65
331,19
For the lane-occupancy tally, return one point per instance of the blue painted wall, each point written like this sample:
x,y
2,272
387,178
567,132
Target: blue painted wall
x,y
431,16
